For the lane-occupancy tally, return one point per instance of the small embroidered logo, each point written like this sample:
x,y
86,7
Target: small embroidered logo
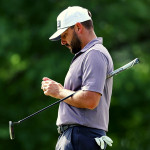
x,y
58,24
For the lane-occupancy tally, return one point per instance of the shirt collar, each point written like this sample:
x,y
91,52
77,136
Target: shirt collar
x,y
88,46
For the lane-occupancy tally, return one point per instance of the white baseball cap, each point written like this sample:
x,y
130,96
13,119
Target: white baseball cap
x,y
68,18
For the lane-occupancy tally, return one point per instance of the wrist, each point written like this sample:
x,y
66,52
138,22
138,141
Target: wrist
x,y
61,91
64,93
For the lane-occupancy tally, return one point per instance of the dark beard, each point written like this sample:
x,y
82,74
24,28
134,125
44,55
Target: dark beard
x,y
75,44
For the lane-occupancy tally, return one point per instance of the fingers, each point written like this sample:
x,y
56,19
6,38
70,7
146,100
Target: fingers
x,y
43,84
107,140
46,93
51,87
46,83
45,78
97,141
44,88
100,141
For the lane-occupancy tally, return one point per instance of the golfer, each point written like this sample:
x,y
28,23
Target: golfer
x,y
83,118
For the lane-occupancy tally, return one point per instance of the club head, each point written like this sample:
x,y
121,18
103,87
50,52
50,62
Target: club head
x,y
11,130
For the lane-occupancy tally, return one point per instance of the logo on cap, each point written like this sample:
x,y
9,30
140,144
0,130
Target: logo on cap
x,y
58,24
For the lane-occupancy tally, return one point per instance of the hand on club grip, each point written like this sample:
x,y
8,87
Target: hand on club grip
x,y
100,141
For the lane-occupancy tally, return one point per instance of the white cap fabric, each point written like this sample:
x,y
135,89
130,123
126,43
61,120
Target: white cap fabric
x,y
68,18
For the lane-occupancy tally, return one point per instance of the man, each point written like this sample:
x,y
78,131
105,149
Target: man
x,y
85,115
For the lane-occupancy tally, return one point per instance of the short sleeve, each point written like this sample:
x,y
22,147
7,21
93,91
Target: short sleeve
x,y
94,71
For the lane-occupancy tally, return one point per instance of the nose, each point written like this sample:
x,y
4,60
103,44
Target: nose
x,y
63,42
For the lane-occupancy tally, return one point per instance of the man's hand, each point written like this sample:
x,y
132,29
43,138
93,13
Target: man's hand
x,y
100,141
51,87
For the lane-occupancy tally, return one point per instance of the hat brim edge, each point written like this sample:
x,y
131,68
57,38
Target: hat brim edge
x,y
57,35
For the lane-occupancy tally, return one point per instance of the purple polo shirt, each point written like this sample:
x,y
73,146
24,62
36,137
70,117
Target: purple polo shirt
x,y
88,71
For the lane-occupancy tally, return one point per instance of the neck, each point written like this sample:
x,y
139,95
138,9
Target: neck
x,y
88,37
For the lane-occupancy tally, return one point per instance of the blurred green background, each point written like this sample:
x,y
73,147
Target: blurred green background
x,y
26,55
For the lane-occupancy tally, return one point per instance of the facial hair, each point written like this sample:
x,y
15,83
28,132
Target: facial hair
x,y
75,44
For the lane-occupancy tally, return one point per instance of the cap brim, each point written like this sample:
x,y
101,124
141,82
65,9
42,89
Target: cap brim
x,y
57,35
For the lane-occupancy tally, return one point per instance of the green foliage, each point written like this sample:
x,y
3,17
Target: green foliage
x,y
26,55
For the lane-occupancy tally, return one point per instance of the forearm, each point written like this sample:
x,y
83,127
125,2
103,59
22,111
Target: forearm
x,y
76,100
81,99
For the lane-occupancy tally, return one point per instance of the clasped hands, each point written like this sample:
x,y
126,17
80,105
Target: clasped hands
x,y
51,87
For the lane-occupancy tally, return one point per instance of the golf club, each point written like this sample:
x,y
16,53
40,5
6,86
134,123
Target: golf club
x,y
115,72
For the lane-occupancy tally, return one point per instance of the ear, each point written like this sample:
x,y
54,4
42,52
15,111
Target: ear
x,y
78,27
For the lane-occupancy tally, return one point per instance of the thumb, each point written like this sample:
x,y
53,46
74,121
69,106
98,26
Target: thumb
x,y
45,78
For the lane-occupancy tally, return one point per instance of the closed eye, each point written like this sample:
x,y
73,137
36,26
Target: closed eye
x,y
64,36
